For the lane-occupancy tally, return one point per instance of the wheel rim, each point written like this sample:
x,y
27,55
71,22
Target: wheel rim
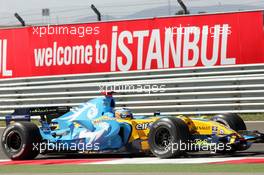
x,y
162,138
14,141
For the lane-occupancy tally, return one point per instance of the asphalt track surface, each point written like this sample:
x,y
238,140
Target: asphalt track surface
x,y
257,150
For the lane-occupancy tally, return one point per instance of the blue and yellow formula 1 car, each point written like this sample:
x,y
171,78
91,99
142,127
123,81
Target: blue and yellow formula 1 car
x,y
95,126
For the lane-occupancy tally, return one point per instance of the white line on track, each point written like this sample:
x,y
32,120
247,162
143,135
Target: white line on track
x,y
254,121
171,161
153,160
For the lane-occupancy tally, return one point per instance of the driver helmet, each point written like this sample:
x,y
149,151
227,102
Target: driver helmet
x,y
123,113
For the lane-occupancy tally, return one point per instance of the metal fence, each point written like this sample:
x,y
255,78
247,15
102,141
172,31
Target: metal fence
x,y
238,89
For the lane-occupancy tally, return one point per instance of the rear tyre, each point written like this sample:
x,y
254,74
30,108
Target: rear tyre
x,y
19,141
166,136
232,121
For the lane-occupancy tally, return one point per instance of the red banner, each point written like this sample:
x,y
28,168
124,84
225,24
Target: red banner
x,y
158,43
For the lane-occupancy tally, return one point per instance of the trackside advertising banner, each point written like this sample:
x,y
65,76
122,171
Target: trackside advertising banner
x,y
158,43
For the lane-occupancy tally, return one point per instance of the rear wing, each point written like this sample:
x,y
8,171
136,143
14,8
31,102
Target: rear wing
x,y
45,113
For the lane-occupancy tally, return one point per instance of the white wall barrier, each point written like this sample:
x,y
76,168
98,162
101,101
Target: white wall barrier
x,y
237,89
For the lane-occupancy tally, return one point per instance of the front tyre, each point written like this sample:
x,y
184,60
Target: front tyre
x,y
166,136
232,121
20,140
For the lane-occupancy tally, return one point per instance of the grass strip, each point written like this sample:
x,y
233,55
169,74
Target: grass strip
x,y
245,168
